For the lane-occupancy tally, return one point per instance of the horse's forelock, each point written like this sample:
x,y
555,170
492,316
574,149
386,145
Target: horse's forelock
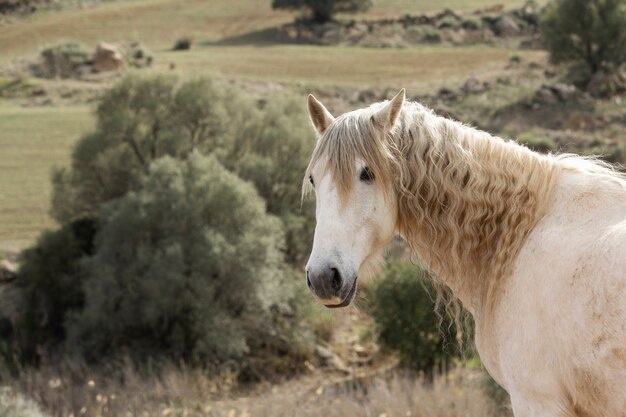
x,y
354,136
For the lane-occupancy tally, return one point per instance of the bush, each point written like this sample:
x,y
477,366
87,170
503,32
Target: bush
x,y
183,259
471,23
403,307
536,143
182,44
432,35
63,60
139,121
143,119
448,22
188,267
589,32
52,282
323,10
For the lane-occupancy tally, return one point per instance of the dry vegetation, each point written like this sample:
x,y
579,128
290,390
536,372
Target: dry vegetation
x,y
179,392
33,140
38,131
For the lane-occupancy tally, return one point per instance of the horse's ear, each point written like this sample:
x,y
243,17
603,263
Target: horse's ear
x,y
388,115
320,117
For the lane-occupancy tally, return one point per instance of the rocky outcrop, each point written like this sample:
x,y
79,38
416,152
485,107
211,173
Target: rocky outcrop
x,y
107,57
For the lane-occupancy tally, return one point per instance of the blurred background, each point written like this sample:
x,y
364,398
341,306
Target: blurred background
x,y
152,234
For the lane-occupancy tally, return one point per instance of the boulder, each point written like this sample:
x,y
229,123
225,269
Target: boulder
x,y
565,92
473,85
107,57
545,95
506,26
8,271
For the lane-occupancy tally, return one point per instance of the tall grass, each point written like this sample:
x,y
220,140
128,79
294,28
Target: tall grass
x,y
176,391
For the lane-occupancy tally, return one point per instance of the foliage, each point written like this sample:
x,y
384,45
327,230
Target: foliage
x,y
324,10
188,267
143,119
592,32
182,44
139,121
63,60
273,155
51,279
402,306
536,143
184,259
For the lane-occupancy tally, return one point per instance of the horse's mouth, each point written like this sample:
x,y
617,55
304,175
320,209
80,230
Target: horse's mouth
x,y
346,301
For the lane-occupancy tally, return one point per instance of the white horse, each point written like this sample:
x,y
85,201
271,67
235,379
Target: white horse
x,y
534,246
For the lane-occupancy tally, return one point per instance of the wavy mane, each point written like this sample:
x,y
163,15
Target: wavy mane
x,y
466,200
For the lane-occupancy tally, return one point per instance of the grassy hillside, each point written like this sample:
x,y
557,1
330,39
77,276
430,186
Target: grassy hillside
x,y
33,140
159,22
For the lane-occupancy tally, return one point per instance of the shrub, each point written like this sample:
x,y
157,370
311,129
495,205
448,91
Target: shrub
x,y
188,267
536,143
184,259
273,155
138,121
432,35
471,23
323,10
52,282
63,60
403,307
182,44
589,32
448,22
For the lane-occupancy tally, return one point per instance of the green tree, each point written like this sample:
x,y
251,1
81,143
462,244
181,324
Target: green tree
x,y
323,10
403,306
591,32
143,119
138,121
187,267
51,277
272,155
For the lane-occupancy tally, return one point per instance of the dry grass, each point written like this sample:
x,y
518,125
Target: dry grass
x,y
32,141
189,393
159,23
411,68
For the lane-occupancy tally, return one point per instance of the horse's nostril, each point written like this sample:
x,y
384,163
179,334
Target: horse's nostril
x,y
336,280
308,281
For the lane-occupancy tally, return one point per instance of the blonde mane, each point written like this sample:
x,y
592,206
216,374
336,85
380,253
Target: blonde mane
x,y
466,200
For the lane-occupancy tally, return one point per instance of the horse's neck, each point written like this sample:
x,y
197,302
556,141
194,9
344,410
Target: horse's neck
x,y
475,203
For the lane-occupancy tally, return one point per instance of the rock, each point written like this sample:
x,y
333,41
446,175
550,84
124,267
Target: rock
x,y
329,358
604,84
445,93
472,85
506,26
107,58
61,61
545,95
8,271
565,92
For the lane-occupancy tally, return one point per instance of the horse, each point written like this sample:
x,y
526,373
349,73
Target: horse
x,y
533,246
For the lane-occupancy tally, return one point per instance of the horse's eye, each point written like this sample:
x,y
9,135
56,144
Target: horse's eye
x,y
311,180
366,175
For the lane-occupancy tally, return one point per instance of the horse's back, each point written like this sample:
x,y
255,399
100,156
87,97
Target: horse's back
x,y
566,300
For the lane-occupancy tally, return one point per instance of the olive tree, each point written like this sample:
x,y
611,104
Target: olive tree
x,y
591,32
323,10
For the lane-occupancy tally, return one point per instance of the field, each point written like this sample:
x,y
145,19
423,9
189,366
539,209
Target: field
x,y
493,83
36,139
32,142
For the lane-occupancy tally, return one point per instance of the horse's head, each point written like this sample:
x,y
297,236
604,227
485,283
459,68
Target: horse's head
x,y
351,174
